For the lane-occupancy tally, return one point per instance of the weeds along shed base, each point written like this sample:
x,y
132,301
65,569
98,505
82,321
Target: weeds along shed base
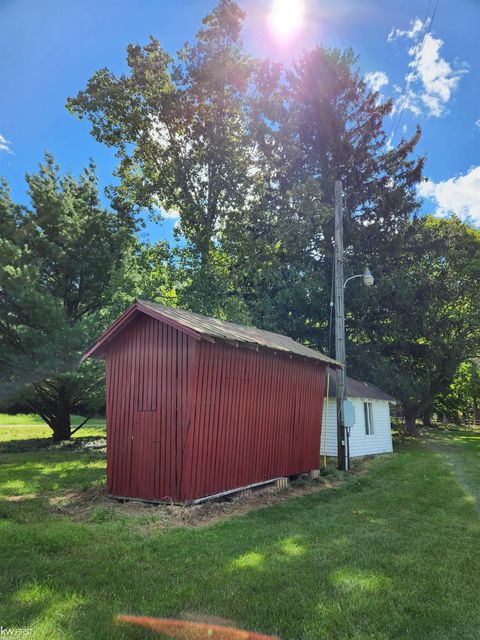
x,y
198,406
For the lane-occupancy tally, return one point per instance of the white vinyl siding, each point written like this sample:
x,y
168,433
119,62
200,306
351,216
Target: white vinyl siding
x,y
361,444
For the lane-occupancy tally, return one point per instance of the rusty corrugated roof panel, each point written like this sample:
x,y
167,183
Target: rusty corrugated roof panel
x,y
359,389
222,330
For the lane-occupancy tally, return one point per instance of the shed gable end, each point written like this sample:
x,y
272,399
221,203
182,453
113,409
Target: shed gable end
x,y
148,386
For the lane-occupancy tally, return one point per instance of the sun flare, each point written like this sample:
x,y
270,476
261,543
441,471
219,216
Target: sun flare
x,y
286,18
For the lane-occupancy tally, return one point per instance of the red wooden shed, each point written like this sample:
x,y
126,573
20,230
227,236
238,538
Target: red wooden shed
x,y
198,406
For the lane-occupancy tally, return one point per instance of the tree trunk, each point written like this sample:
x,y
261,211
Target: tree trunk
x,y
427,418
53,403
411,420
60,424
476,411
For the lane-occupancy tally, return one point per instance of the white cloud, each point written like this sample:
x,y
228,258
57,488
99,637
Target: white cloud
x,y
459,195
477,123
376,80
407,102
435,73
4,144
416,27
431,80
173,214
158,210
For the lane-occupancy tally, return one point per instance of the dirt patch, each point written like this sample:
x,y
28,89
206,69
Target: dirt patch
x,y
95,505
208,513
20,498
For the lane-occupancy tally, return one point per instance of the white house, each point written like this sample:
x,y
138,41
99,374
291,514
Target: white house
x,y
371,432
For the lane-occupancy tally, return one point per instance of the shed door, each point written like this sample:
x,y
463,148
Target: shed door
x,y
145,454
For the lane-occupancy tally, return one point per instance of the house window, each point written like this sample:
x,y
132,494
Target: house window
x,y
368,413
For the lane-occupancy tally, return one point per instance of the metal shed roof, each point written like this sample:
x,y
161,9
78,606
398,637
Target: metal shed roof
x,y
223,330
359,389
210,328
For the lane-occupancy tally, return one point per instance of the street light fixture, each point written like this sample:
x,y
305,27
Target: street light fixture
x,y
368,279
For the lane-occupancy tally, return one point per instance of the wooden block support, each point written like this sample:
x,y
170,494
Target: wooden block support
x,y
314,474
281,483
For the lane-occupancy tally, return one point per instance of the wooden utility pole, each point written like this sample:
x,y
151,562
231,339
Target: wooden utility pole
x,y
340,325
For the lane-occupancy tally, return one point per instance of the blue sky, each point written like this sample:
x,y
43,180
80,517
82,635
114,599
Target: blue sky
x,y
49,49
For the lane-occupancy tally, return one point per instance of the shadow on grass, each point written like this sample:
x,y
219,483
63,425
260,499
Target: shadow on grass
x,y
36,444
49,470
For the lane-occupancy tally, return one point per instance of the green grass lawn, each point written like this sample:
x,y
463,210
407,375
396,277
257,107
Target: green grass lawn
x,y
389,554
26,426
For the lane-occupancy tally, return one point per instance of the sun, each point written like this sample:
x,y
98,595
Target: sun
x,y
286,18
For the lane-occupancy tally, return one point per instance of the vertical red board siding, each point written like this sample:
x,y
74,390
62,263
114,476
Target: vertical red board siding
x,y
254,416
187,418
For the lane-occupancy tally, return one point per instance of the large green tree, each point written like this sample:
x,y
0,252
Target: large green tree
x,y
461,401
422,318
247,153
315,123
57,262
180,128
